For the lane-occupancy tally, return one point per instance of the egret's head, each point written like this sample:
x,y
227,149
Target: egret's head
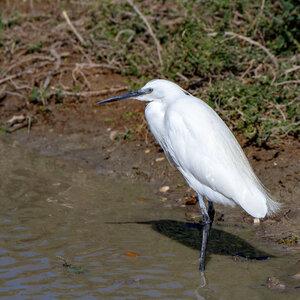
x,y
154,90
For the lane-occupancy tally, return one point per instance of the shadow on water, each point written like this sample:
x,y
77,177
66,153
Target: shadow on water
x,y
220,242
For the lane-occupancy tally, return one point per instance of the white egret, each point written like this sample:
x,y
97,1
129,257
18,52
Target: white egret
x,y
204,150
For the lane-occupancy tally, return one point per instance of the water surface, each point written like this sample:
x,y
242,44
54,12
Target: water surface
x,y
67,233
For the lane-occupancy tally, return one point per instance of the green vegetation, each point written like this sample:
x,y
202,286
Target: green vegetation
x,y
34,47
290,240
14,20
72,269
239,56
38,95
126,135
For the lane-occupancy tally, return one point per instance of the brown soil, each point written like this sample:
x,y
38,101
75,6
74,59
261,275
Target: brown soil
x,y
73,127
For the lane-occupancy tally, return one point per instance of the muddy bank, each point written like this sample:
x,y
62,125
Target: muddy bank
x,y
94,143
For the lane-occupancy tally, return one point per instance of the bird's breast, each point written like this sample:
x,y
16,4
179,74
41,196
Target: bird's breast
x,y
155,113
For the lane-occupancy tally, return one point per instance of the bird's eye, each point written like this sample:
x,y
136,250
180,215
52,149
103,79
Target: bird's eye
x,y
149,90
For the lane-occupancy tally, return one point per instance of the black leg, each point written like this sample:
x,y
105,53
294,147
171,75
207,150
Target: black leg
x,y
205,233
207,220
211,211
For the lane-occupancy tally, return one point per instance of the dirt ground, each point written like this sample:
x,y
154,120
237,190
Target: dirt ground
x,y
114,139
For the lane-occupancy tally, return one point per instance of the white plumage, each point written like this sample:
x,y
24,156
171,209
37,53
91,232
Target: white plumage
x,y
203,149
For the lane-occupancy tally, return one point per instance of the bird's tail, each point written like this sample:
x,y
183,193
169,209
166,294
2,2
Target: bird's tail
x,y
272,205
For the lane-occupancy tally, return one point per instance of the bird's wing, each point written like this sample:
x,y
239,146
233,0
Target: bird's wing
x,y
206,150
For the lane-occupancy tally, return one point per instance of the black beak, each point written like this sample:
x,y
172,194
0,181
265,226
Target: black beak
x,y
123,97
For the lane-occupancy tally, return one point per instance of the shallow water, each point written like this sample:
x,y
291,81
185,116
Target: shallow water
x,y
67,233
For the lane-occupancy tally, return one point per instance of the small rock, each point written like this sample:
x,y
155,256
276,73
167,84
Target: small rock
x,y
16,119
274,283
113,134
159,159
164,189
192,200
256,221
147,151
296,276
193,216
131,254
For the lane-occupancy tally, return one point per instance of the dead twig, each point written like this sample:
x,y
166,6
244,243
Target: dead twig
x,y
158,46
252,61
288,82
23,61
101,66
20,87
256,70
125,31
92,93
56,67
293,69
84,54
80,38
285,129
252,42
280,110
16,119
3,93
77,70
18,126
182,77
8,78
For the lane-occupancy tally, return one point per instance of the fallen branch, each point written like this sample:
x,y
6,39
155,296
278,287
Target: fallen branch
x,y
158,46
80,38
